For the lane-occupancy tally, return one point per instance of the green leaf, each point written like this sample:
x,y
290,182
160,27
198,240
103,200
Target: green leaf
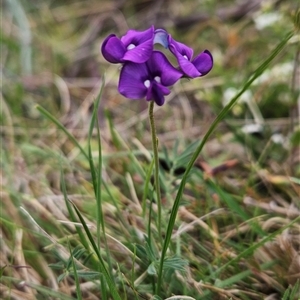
x,y
141,252
151,270
150,249
291,292
77,252
61,277
87,275
295,290
57,266
175,263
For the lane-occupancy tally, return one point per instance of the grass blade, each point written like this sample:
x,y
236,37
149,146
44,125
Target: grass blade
x,y
97,175
78,291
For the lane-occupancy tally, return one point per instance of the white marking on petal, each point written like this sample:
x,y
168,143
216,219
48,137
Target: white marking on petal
x,y
157,79
185,57
147,83
131,46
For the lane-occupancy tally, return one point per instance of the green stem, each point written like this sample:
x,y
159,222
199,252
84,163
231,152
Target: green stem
x,y
156,163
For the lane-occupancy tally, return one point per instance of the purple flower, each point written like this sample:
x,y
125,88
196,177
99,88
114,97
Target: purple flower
x,y
134,46
149,79
199,66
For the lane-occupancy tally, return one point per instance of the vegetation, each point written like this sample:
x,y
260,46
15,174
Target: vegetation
x,y
79,209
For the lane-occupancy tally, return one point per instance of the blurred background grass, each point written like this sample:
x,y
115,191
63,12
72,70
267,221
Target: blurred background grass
x,y
50,56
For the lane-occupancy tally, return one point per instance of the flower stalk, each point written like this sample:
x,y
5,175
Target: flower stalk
x,y
156,164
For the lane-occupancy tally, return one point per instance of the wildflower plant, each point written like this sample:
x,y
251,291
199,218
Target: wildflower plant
x,y
147,73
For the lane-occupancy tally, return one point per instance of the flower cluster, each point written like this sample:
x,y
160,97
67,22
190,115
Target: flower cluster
x,y
147,72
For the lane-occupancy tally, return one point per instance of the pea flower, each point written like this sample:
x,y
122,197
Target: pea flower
x,y
147,73
199,66
149,79
134,46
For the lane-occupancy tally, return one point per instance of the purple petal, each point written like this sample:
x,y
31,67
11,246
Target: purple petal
x,y
113,49
157,92
203,62
159,65
140,53
137,37
132,78
183,55
180,48
185,65
161,37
